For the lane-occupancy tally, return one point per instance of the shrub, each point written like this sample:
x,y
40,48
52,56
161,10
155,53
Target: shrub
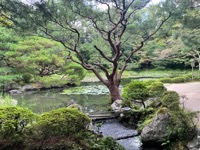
x,y
136,90
27,77
13,121
75,73
63,121
188,77
178,80
182,79
165,80
157,89
170,100
182,123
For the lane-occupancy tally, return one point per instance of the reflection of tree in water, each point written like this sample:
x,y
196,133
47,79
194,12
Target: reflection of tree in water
x,y
42,101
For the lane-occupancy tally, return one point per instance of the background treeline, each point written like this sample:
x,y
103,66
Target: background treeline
x,y
28,58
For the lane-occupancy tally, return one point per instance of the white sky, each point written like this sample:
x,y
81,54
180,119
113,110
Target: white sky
x,y
32,1
155,1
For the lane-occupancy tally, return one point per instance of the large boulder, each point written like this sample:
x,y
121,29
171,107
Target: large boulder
x,y
11,86
156,131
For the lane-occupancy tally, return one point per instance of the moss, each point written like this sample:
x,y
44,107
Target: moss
x,y
182,123
170,99
162,110
144,123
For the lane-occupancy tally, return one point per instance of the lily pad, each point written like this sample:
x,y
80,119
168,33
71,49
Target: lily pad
x,y
90,90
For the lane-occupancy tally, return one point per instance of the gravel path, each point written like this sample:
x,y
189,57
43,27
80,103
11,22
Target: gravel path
x,y
190,95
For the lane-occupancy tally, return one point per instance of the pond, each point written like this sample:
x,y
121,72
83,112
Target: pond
x,y
46,100
92,96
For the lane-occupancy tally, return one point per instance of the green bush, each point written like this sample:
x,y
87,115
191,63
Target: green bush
x,y
165,80
188,77
63,121
182,79
13,121
156,89
75,73
170,99
136,90
182,123
178,80
27,77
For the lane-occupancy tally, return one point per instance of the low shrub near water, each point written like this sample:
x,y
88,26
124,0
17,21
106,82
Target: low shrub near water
x,y
13,121
140,91
64,128
136,91
61,122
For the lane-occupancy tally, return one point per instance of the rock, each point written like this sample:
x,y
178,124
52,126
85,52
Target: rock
x,y
27,87
79,107
195,143
32,87
15,92
73,104
156,130
11,86
116,105
125,109
153,102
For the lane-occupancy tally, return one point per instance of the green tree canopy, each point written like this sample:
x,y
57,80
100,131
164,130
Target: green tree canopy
x,y
115,29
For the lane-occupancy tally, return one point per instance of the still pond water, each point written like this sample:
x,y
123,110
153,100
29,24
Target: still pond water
x,y
93,97
46,100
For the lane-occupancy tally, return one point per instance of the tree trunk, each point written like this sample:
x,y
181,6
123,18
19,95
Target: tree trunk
x,y
199,66
198,60
114,90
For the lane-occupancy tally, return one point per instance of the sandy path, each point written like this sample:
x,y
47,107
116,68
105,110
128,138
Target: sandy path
x,y
189,90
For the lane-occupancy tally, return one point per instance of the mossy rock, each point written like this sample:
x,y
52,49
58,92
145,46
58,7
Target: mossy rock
x,y
170,99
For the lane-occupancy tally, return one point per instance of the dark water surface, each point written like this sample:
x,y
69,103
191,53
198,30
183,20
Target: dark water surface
x,y
46,100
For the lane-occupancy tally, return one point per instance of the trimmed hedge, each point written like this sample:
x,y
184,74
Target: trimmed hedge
x,y
13,121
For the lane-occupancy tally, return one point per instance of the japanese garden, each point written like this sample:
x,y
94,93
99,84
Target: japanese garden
x,y
99,74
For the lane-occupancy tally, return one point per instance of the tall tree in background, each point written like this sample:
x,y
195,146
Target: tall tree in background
x,y
114,30
191,33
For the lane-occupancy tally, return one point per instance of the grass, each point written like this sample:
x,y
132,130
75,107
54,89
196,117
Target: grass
x,y
7,100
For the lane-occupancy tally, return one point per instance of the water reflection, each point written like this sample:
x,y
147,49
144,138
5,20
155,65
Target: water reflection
x,y
46,100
